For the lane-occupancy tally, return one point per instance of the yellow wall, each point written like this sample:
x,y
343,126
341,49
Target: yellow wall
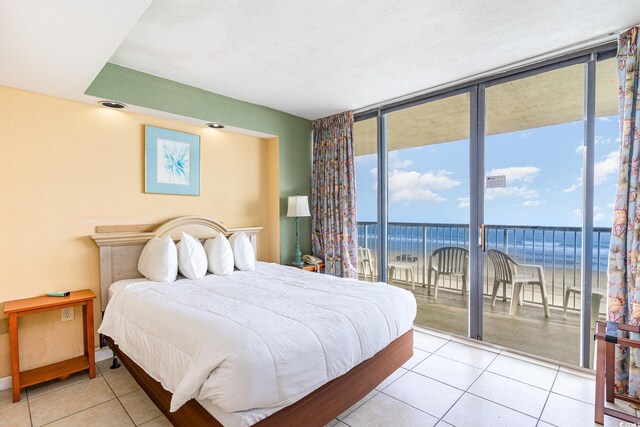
x,y
66,167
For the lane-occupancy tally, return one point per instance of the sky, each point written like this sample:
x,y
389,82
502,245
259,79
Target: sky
x,y
543,166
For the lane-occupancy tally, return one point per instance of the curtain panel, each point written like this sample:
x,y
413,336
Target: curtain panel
x,y
333,195
623,302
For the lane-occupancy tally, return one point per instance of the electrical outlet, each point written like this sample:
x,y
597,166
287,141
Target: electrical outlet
x,y
67,314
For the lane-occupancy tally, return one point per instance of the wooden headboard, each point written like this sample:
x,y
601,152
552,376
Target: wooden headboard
x,y
121,245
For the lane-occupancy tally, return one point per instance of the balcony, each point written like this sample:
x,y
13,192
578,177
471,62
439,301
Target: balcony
x,y
556,249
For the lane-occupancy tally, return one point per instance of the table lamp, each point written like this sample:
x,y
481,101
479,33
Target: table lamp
x,y
298,207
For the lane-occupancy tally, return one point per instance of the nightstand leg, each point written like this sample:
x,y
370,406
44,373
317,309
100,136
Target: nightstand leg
x,y
89,351
15,356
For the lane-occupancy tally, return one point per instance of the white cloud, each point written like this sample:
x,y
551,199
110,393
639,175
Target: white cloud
x,y
599,217
512,192
599,140
516,173
611,205
573,187
463,202
576,213
606,167
602,170
396,163
604,119
413,185
530,203
525,134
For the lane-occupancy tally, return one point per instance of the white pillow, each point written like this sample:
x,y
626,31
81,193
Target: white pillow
x,y
244,257
159,260
192,259
219,255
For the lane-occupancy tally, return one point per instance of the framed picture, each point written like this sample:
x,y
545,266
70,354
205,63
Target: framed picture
x,y
172,162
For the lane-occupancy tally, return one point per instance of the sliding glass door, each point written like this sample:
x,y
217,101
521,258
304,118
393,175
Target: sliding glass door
x,y
534,133
498,196
428,209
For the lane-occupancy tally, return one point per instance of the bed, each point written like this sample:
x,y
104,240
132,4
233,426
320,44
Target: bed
x,y
273,346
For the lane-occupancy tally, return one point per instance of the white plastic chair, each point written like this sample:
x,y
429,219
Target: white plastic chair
x,y
448,261
364,263
506,271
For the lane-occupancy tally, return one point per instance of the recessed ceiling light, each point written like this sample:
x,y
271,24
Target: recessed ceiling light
x,y
215,125
111,104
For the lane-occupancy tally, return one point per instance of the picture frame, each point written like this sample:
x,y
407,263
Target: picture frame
x,y
172,162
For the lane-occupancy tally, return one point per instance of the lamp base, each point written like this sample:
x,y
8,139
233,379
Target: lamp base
x,y
297,255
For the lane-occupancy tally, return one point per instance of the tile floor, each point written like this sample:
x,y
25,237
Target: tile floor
x,y
448,382
111,399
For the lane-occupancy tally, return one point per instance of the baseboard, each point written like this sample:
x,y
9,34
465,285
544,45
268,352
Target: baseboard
x,y
104,354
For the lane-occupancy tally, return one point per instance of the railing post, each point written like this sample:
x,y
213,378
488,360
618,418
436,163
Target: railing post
x,y
424,256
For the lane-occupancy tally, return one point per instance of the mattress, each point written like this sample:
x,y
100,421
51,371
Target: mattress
x,y
255,341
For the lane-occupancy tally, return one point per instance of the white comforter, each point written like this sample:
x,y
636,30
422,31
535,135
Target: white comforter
x,y
254,339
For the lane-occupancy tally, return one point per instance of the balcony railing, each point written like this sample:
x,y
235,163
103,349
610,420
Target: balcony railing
x,y
557,249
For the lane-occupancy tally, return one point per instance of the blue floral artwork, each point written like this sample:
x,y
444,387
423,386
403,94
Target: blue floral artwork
x,y
172,162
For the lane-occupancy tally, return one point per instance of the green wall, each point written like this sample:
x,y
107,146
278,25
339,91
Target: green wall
x,y
136,88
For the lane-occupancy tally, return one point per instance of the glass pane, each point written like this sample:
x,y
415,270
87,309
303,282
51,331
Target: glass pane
x,y
428,184
533,201
366,163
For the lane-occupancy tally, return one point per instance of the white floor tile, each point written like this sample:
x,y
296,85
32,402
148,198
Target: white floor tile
x,y
361,402
427,342
562,411
468,354
473,411
575,386
448,371
510,393
424,393
418,356
527,372
391,378
384,411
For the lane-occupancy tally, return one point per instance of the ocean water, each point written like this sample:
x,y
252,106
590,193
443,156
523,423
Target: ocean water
x,y
552,247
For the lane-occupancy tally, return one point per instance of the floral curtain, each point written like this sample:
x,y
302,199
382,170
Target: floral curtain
x,y
623,303
333,195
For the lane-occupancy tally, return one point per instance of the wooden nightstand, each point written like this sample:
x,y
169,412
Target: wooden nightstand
x,y
318,268
62,369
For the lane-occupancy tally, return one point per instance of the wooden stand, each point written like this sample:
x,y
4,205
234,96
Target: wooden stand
x,y
605,372
61,369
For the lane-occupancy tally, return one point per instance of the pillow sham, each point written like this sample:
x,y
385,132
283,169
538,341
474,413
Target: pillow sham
x,y
158,261
192,259
219,255
244,257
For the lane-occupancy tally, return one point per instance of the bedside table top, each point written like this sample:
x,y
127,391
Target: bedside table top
x,y
308,267
45,301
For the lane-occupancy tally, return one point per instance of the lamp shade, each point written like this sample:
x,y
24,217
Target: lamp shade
x,y
298,206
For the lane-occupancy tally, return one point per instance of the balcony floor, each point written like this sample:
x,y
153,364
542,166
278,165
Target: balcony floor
x,y
527,331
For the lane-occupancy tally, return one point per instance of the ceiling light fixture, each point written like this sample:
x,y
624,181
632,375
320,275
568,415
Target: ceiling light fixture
x,y
215,125
112,104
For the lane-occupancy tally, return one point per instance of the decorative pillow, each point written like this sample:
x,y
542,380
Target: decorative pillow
x,y
192,259
219,255
159,260
244,257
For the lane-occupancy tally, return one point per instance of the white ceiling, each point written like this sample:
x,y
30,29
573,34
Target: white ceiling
x,y
315,59
308,59
58,47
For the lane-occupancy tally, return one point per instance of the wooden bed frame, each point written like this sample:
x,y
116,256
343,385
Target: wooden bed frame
x,y
120,248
